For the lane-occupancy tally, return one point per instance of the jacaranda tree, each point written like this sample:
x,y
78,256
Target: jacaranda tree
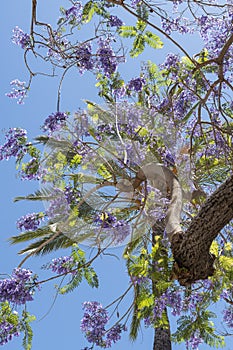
x,y
149,168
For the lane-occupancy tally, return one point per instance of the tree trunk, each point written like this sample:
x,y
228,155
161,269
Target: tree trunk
x,y
162,339
191,248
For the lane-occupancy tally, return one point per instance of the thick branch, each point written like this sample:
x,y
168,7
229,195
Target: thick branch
x,y
191,250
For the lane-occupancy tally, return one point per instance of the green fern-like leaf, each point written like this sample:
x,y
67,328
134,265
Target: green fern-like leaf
x,y
91,277
40,195
138,46
153,40
26,327
135,322
59,242
30,235
127,31
74,283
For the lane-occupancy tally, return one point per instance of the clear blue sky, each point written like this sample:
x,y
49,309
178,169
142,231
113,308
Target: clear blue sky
x,y
60,328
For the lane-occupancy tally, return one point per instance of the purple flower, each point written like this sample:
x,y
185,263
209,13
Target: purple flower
x,y
94,321
16,144
194,341
72,195
8,331
114,334
116,230
29,222
174,300
171,62
215,31
119,92
19,288
179,24
136,84
93,325
169,159
54,121
59,207
107,58
84,57
19,91
20,38
228,316
30,170
62,265
135,3
114,21
74,12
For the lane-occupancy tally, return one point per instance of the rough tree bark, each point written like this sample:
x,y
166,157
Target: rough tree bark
x,y
193,260
191,248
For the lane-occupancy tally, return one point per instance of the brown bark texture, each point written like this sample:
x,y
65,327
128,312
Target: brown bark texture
x,y
162,339
190,249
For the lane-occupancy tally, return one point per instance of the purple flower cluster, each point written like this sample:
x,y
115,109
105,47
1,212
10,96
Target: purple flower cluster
x,y
175,301
106,220
74,12
135,3
228,316
114,334
117,230
191,302
171,62
19,91
31,170
7,332
94,321
93,325
58,206
182,102
114,21
84,57
15,145
136,84
72,195
62,265
215,31
54,122
179,25
119,92
19,288
20,38
107,58
29,222
169,159
194,341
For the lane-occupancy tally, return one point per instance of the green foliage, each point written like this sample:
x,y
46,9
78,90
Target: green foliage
x,y
91,8
20,324
127,31
141,37
26,327
153,40
80,268
44,194
138,46
187,326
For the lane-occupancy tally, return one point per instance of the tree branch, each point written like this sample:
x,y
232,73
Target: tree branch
x,y
191,249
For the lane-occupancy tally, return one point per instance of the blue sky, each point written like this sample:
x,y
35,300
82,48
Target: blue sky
x,y
59,329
